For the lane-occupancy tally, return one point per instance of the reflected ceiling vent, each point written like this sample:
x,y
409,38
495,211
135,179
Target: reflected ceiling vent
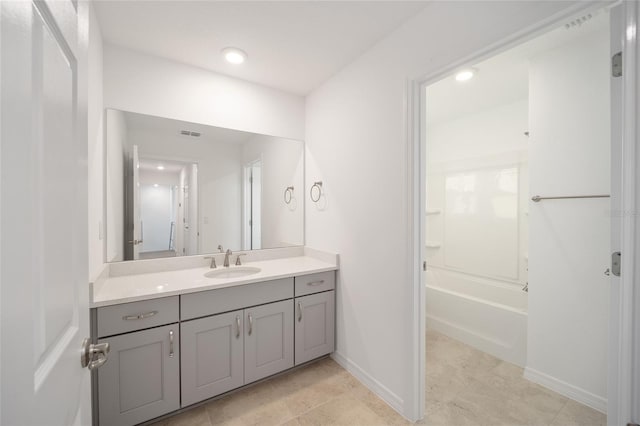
x,y
580,21
188,133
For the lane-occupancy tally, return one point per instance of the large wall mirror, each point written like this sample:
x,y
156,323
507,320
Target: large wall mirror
x,y
175,188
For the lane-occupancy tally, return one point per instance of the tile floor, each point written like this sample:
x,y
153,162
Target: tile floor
x,y
464,387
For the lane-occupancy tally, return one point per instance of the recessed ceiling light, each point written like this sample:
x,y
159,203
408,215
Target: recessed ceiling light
x,y
160,167
466,75
234,55
155,185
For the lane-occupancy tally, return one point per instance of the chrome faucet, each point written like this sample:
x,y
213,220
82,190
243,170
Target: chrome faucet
x,y
220,249
226,258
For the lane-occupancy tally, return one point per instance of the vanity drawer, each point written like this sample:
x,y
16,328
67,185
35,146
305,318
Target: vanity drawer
x,y
205,303
315,283
126,317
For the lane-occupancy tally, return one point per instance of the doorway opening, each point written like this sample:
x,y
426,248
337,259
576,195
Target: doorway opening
x,y
162,211
518,230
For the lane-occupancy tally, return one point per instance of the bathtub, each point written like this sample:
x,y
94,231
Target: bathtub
x,y
486,314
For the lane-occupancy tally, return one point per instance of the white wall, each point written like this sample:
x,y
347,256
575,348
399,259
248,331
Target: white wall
x,y
193,246
116,140
569,244
282,166
479,145
150,85
95,150
355,134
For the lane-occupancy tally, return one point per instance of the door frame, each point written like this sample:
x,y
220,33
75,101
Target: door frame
x,y
247,201
622,346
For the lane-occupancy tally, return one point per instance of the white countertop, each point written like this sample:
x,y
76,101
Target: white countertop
x,y
131,288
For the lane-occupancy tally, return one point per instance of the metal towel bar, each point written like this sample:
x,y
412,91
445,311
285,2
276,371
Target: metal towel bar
x,y
537,198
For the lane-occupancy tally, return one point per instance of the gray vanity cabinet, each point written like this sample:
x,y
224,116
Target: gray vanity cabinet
x,y
314,316
141,379
268,345
212,356
314,325
173,352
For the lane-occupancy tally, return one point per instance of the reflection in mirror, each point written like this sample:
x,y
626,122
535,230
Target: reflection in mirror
x,y
176,188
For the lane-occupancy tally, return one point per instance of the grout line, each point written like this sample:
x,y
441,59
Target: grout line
x,y
559,411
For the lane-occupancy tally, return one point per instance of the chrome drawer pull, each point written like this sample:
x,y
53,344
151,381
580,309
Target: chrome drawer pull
x,y
237,326
299,311
171,344
315,283
250,324
139,316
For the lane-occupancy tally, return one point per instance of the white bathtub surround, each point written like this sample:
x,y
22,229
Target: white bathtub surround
x,y
481,312
172,278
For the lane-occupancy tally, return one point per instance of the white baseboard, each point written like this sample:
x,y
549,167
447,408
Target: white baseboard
x,y
374,386
570,391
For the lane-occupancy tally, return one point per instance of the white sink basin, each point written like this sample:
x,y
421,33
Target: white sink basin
x,y
232,272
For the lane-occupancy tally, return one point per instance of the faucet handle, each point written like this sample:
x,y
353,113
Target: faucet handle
x,y
213,261
238,263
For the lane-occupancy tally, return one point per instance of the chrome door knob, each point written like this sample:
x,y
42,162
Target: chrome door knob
x,y
93,356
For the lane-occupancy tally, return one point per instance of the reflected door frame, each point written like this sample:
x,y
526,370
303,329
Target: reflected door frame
x,y
251,204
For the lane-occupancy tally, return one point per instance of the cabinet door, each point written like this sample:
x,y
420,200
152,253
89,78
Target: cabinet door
x,y
315,321
268,345
141,378
212,356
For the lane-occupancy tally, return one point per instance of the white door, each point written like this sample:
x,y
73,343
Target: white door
x,y
136,216
44,313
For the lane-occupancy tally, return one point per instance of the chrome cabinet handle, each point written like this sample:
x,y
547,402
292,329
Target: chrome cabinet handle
x,y
299,311
139,316
171,344
237,326
250,324
315,283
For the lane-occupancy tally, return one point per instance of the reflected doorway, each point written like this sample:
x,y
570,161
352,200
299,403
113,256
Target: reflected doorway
x,y
252,188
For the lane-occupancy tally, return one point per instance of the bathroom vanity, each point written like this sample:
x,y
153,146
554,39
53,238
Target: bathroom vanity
x,y
179,337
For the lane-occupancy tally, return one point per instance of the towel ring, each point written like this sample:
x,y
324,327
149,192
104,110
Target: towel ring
x,y
288,194
318,186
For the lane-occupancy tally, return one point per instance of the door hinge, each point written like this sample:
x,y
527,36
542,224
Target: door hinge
x,y
616,65
616,263
424,265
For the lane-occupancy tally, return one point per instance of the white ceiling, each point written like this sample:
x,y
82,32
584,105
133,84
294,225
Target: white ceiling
x,y
291,45
502,79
